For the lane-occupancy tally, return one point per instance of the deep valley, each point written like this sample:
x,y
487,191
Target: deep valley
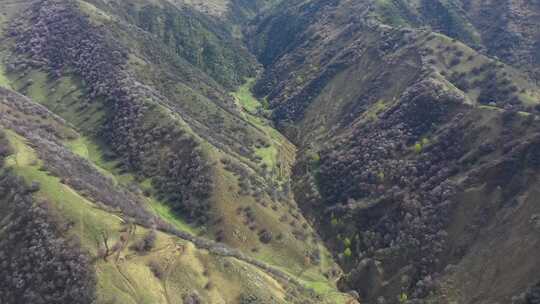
x,y
266,151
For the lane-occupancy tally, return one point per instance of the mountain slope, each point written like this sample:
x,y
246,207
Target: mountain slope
x,y
111,222
308,151
405,136
171,134
506,29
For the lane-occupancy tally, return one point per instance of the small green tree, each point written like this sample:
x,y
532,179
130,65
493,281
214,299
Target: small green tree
x,y
381,176
417,148
348,252
403,298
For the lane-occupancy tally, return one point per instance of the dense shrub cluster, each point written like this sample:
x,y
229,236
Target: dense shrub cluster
x,y
502,39
37,264
64,40
391,164
368,159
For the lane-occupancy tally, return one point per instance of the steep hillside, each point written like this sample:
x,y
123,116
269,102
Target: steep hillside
x,y
234,151
167,130
237,11
509,30
137,257
205,42
415,149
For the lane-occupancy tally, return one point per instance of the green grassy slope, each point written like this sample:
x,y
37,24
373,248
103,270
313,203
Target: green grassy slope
x,y
4,82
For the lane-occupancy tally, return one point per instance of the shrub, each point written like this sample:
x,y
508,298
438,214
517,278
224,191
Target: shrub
x,y
192,298
265,236
147,243
417,148
156,269
455,61
249,299
34,187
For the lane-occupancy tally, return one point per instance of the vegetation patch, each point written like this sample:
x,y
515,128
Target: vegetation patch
x,y
245,98
4,81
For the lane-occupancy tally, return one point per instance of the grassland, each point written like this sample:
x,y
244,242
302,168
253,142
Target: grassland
x,y
246,98
63,97
4,81
92,150
276,155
